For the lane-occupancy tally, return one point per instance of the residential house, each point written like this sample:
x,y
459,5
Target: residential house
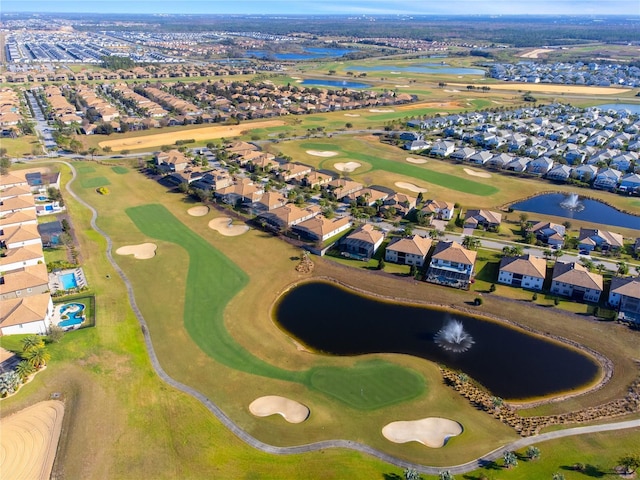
x,y
21,257
585,173
482,219
439,209
363,242
19,236
315,178
291,171
499,160
215,179
50,233
416,145
244,190
26,315
518,164
320,228
630,183
540,165
270,201
14,219
289,215
560,173
462,154
442,148
526,271
17,204
625,295
408,251
607,179
549,233
481,157
23,282
575,281
400,202
367,197
592,238
451,265
341,187
172,161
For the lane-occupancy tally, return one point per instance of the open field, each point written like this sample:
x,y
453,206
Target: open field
x,y
549,88
170,137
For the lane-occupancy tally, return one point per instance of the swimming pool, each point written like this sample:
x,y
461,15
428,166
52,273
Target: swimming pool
x,y
42,198
74,313
68,281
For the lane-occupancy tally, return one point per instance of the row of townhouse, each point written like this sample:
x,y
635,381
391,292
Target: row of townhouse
x,y
10,115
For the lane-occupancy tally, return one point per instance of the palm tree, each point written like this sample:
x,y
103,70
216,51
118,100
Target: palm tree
x,y
37,356
510,459
533,452
557,476
623,269
445,475
93,151
411,474
470,242
32,341
24,369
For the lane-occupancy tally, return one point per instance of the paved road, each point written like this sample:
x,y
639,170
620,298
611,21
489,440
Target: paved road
x,y
317,446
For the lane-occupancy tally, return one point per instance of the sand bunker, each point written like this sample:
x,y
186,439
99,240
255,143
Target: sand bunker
x,y
319,153
351,114
411,187
475,173
432,432
29,441
199,211
347,167
143,251
225,227
416,160
381,110
451,91
291,411
402,86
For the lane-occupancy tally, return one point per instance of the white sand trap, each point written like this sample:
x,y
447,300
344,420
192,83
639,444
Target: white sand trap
x,y
322,153
143,251
432,432
416,160
475,173
225,227
381,110
347,167
351,114
395,73
411,187
402,86
451,91
291,411
199,211
29,441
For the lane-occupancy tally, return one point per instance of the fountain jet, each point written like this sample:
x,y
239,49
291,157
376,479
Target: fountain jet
x,y
452,337
572,203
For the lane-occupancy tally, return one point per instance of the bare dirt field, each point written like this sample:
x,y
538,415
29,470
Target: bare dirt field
x,y
197,134
411,187
199,211
351,114
29,441
143,251
475,173
416,160
535,53
381,110
543,87
432,432
224,226
347,167
291,411
445,105
318,153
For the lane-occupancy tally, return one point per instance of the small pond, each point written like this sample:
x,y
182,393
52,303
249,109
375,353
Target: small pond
x,y
586,209
334,83
632,107
509,362
428,68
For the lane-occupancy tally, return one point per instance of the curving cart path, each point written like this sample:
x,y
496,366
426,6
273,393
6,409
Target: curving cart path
x,y
310,447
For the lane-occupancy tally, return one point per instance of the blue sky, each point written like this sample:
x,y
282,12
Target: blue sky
x,y
339,7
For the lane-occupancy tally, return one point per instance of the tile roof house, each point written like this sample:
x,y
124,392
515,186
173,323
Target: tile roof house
x,y
401,202
439,208
575,281
367,196
341,187
30,314
363,242
244,190
526,271
21,257
289,215
270,201
320,228
172,161
625,295
23,282
590,238
451,265
408,251
482,218
14,219
19,236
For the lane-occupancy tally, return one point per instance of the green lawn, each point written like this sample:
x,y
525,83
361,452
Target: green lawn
x,y
94,182
120,170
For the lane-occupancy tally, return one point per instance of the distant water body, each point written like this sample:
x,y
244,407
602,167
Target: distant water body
x,y
307,54
633,108
428,68
334,83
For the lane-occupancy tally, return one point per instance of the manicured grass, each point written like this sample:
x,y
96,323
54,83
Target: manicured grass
x,y
120,170
94,182
85,169
368,385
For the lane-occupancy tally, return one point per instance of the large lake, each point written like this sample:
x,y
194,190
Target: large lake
x,y
428,68
307,54
334,83
591,211
509,362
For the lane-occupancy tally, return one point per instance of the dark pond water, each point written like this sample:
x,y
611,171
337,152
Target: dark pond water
x,y
429,68
509,362
334,83
591,210
632,107
307,54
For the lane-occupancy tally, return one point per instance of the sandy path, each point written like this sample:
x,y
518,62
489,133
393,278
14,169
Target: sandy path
x,y
225,226
381,110
432,432
169,137
535,53
475,173
291,411
545,87
416,160
199,211
143,251
29,441
347,167
411,187
319,153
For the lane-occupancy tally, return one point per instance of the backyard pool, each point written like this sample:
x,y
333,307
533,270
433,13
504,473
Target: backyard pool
x,y
41,198
68,281
72,314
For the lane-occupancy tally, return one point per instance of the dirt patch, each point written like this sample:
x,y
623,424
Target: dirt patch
x,y
411,187
402,86
351,114
143,251
197,134
29,441
225,226
291,411
545,87
381,110
319,153
475,173
347,167
199,211
451,91
432,432
416,160
535,53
